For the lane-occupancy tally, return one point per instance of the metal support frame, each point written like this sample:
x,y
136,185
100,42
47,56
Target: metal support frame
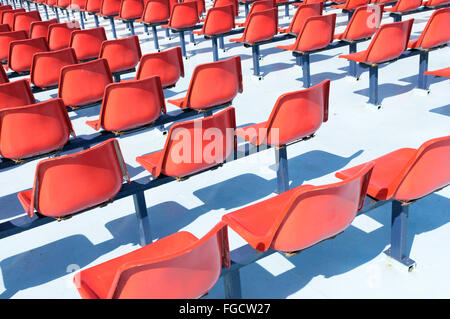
x,y
182,44
56,14
131,25
81,20
97,24
145,234
232,284
113,27
282,169
286,10
222,43
306,69
247,8
423,67
255,54
191,38
46,11
215,49
373,85
67,14
155,37
352,69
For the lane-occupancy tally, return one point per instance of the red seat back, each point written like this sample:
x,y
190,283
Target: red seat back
x,y
262,25
364,22
214,83
62,3
78,5
131,9
223,3
23,20
261,5
5,7
219,20
3,76
437,30
121,54
184,15
304,12
389,42
93,6
435,3
317,33
34,129
46,66
87,43
156,11
40,28
7,16
84,83
168,65
353,4
21,53
406,5
110,7
6,38
130,104
68,184
4,28
59,34
201,7
16,93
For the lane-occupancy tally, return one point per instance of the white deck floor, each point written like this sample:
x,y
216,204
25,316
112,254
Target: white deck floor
x,y
38,263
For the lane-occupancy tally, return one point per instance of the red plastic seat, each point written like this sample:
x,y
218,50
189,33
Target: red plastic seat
x,y
168,65
78,5
4,28
130,104
262,25
46,66
317,33
40,28
16,93
3,76
63,4
156,11
351,4
87,43
219,20
23,20
21,53
303,12
303,216
71,183
7,16
201,7
222,3
176,266
213,84
408,174
358,28
405,6
442,72
195,140
121,54
388,43
257,6
5,39
434,3
109,8
34,129
84,83
435,33
5,7
184,15
130,9
296,115
92,6
59,35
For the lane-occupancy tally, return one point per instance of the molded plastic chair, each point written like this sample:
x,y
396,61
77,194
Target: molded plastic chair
x,y
87,43
6,7
40,28
155,12
442,72
71,183
358,28
317,33
303,216
3,76
6,38
7,16
168,65
213,84
21,53
435,33
405,6
109,8
34,129
195,139
350,5
130,10
219,20
408,174
16,93
301,15
184,15
121,54
59,34
434,3
23,20
176,266
93,6
388,43
4,28
261,5
222,3
295,116
46,66
201,7
130,104
84,83
262,26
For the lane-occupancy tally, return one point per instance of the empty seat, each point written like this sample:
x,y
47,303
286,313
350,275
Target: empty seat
x,y
7,16
201,7
442,72
317,33
130,9
16,93
358,28
40,28
130,104
3,76
34,129
155,12
4,28
21,53
184,15
219,20
71,183
93,6
303,12
434,3
350,4
261,5
87,43
435,33
262,26
5,7
63,4
177,266
23,20
213,84
46,66
168,65
222,3
84,83
408,174
295,116
405,6
194,146
121,54
303,216
109,8
5,39
59,34
388,43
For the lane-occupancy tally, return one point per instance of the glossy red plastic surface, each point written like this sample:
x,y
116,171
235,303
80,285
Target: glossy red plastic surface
x,y
184,15
121,54
6,38
219,20
21,53
40,28
405,6
110,8
445,72
59,35
7,16
435,33
131,9
262,26
23,20
16,93
156,11
87,43
303,12
261,5
363,24
351,4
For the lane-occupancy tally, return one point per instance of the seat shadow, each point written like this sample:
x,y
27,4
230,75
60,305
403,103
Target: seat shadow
x,y
444,110
430,79
386,90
